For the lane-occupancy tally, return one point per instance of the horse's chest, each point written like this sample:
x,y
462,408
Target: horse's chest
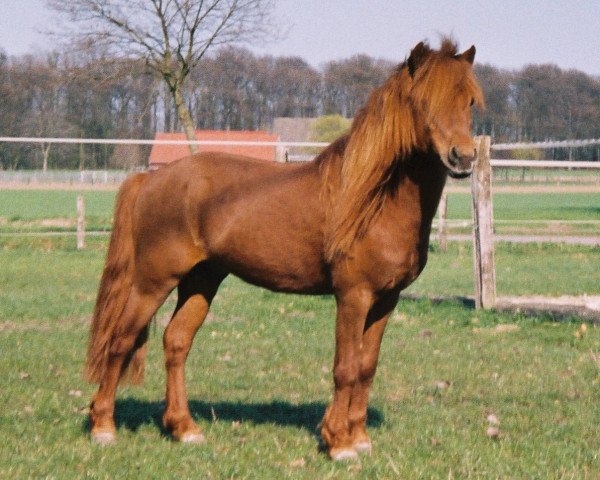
x,y
393,262
400,271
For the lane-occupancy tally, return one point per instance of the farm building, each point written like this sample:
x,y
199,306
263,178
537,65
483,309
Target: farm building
x,y
293,129
161,155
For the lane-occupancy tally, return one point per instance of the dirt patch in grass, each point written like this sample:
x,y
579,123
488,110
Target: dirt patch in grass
x,y
57,222
24,327
44,325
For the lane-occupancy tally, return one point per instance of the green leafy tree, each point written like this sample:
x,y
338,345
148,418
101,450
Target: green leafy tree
x,y
329,127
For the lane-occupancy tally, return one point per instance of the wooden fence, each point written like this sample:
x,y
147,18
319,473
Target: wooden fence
x,y
481,187
482,207
484,270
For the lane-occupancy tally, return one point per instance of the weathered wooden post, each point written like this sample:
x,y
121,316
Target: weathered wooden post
x,y
80,222
281,154
442,232
483,234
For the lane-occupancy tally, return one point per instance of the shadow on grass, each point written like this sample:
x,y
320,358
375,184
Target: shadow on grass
x,y
466,302
132,413
580,210
534,309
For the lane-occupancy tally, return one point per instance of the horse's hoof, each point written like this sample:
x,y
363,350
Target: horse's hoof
x,y
104,438
363,447
193,437
343,455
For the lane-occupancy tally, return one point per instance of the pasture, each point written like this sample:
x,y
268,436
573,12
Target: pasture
x,y
259,375
54,210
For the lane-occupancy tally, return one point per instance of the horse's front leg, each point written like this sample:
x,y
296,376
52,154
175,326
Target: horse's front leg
x,y
352,310
369,355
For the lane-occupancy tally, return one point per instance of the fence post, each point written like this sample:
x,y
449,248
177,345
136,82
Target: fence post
x,y
442,233
281,154
483,235
80,222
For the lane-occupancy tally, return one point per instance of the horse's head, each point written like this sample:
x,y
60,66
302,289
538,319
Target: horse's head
x,y
443,91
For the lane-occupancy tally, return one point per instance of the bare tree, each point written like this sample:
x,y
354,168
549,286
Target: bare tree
x,y
171,35
347,83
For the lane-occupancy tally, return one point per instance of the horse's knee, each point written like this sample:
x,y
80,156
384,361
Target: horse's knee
x,y
368,367
345,374
176,345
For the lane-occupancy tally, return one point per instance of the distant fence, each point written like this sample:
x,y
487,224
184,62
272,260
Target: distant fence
x,y
304,151
547,144
285,151
483,237
482,206
70,177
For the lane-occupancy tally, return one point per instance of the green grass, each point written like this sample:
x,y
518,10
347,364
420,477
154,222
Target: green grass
x,y
523,213
550,176
259,378
521,269
24,210
532,206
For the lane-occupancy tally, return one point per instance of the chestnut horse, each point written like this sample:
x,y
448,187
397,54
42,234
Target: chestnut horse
x,y
355,223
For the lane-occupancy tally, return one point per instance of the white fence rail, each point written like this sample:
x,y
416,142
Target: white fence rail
x,y
108,177
549,144
567,164
137,141
483,237
95,176
134,141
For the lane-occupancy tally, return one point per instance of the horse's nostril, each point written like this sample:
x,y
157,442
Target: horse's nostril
x,y
453,157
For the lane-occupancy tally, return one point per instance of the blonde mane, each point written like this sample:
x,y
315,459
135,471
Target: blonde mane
x,y
385,132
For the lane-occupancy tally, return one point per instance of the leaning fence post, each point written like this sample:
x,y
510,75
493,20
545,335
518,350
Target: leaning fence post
x,y
80,222
442,231
483,235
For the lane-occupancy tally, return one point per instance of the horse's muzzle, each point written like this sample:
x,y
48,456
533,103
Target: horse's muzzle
x,y
460,161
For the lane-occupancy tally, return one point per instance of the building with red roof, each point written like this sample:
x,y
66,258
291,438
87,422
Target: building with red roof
x,y
161,155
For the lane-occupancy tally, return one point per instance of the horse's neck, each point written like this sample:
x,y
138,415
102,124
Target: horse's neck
x,y
421,183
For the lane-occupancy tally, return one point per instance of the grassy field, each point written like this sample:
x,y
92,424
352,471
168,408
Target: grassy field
x,y
534,213
53,210
532,206
562,213
259,378
521,269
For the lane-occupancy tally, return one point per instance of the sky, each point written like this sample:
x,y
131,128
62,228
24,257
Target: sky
x,y
507,33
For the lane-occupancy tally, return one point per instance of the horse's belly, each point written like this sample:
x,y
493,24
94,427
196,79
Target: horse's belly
x,y
281,273
280,259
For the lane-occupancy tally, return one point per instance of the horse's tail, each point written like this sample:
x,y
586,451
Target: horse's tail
x,y
115,286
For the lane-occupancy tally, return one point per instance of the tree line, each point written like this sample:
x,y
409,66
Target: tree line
x,y
99,96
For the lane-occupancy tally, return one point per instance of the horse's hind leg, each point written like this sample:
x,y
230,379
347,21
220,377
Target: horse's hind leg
x,y
196,292
136,316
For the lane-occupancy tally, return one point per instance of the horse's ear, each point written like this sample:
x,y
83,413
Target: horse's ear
x,y
469,55
417,57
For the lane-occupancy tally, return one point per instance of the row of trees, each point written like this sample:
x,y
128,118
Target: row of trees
x,y
100,96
